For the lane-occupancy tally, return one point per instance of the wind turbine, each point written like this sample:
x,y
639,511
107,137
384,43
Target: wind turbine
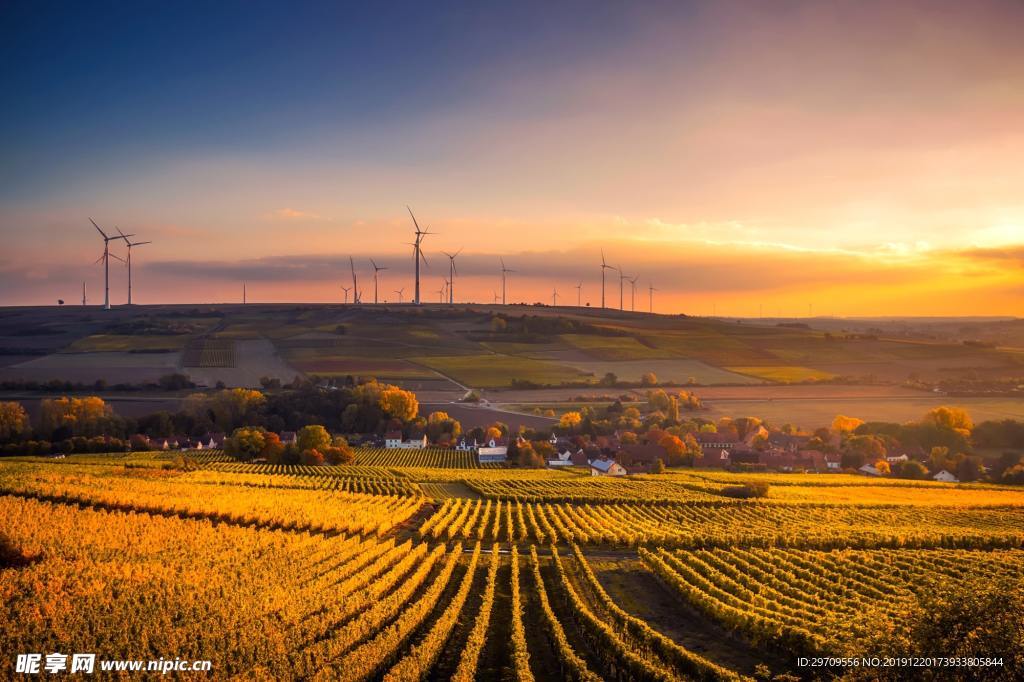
x,y
346,290
650,294
417,253
554,297
355,282
495,298
376,269
400,292
503,271
579,294
632,294
129,261
106,261
442,291
622,278
604,266
244,301
451,275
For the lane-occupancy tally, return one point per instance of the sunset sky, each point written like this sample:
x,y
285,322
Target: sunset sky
x,y
866,158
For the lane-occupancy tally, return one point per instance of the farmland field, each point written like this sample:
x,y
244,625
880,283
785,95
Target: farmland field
x,y
418,572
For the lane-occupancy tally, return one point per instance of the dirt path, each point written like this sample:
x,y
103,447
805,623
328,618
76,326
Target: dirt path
x,y
639,592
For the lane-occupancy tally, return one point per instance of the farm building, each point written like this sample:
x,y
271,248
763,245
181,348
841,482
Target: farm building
x,y
606,467
638,459
494,450
393,441
869,470
946,477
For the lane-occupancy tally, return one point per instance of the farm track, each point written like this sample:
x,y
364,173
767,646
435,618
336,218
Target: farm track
x,y
641,593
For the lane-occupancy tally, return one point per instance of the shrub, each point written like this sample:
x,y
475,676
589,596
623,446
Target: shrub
x,y
312,457
747,490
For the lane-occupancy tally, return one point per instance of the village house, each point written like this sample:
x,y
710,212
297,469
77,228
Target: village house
x,y
869,470
494,450
639,459
289,438
946,477
393,441
606,467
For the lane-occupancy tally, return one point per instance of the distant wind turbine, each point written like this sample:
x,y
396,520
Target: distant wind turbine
x,y
83,294
346,290
376,269
105,258
355,282
554,297
579,294
604,266
632,293
451,275
504,270
417,252
400,292
129,260
622,278
495,298
442,291
650,294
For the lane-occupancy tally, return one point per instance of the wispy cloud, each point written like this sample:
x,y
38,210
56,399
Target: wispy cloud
x,y
293,214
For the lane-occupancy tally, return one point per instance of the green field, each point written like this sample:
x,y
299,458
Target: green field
x,y
494,371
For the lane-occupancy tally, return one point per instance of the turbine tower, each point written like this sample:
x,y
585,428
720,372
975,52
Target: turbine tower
x,y
632,293
130,245
451,275
650,294
417,252
554,297
376,269
400,292
346,290
355,282
504,270
604,266
622,279
106,261
495,298
442,291
83,293
579,294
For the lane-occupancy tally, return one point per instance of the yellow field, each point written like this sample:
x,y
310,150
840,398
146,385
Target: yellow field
x,y
399,573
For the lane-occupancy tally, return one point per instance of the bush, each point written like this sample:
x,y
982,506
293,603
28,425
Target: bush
x,y
1014,475
747,490
311,457
658,467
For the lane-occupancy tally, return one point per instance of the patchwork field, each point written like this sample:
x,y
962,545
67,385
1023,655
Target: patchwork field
x,y
491,371
821,411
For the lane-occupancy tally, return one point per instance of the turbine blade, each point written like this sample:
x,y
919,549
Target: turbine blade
x,y
413,218
98,228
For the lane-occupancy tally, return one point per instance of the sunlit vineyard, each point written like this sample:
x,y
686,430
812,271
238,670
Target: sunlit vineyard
x,y
377,571
441,458
810,600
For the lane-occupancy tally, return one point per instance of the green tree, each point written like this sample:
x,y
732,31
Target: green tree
x,y
246,442
313,437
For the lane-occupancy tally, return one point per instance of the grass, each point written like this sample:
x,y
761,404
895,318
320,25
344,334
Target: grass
x,y
784,374
121,342
613,347
494,371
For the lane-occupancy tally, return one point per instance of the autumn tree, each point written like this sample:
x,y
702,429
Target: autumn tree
x,y
311,457
399,403
313,437
441,428
649,379
657,466
273,448
570,421
339,452
14,422
89,416
843,424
